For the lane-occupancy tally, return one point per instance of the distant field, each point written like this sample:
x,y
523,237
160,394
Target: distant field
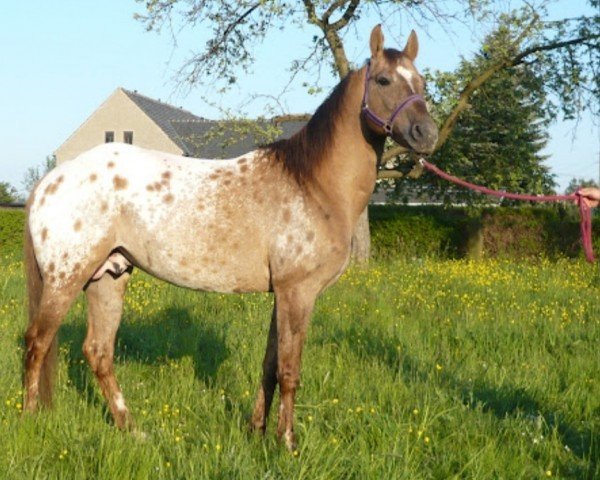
x,y
413,370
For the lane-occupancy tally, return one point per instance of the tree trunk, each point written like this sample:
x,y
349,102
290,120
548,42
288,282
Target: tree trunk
x,y
361,240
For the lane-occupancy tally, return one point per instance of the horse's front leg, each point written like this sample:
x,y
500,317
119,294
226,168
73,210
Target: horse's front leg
x,y
264,398
294,308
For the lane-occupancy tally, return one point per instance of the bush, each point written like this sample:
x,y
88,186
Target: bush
x,y
512,232
11,231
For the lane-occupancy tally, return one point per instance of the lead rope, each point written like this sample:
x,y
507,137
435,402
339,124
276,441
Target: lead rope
x,y
585,212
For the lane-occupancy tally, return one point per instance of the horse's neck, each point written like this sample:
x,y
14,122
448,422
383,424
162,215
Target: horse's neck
x,y
350,169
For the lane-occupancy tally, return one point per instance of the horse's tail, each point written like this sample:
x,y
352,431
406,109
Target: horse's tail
x,y
35,286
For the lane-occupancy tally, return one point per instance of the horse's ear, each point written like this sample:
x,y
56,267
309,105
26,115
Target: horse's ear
x,y
412,46
376,42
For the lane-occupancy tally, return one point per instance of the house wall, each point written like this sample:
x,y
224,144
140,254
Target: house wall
x,y
117,114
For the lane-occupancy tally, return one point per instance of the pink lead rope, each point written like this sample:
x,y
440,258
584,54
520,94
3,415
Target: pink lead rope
x,y
585,211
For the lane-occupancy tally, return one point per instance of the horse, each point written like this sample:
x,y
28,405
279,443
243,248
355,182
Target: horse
x,y
279,219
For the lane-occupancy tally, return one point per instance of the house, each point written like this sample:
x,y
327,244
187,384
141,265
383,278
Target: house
x,y
129,117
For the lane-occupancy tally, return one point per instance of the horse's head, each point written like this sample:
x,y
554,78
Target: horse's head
x,y
393,101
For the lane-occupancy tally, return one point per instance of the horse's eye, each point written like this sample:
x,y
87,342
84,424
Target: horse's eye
x,y
383,81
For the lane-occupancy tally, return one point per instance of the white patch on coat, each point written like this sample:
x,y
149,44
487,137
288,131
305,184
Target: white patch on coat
x,y
120,402
408,75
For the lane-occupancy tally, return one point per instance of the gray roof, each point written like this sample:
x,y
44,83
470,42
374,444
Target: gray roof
x,y
203,138
229,139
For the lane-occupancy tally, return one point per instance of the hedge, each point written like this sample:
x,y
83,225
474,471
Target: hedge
x,y
11,230
432,231
512,232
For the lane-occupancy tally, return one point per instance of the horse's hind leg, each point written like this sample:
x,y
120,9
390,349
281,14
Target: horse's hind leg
x,y
40,343
105,306
269,379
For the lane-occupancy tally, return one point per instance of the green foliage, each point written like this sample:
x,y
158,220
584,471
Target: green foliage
x,y
577,183
523,232
411,370
8,193
11,231
410,232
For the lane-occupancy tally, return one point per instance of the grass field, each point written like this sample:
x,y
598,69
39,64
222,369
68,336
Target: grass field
x,y
416,370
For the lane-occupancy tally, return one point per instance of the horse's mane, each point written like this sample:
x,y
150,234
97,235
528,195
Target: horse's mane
x,y
302,153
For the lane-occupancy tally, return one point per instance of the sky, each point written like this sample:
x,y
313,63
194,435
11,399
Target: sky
x,y
60,60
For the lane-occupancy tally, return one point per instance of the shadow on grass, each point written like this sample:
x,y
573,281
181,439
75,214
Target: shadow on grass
x,y
170,334
502,402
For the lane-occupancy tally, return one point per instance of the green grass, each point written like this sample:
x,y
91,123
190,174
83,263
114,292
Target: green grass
x,y
415,370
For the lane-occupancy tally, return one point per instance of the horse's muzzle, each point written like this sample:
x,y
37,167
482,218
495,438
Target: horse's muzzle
x,y
422,135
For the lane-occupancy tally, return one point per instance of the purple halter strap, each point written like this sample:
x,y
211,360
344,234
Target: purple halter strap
x,y
376,119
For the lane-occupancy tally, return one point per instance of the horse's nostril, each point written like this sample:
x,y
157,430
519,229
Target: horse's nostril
x,y
417,132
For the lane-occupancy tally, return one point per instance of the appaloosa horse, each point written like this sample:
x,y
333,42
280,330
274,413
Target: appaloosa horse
x,y
277,219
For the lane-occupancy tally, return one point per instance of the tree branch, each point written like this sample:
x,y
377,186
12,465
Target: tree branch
x,y
233,25
518,59
309,6
348,14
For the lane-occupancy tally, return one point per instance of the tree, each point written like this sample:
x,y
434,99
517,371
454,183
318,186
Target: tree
x,y
34,174
577,183
566,52
8,193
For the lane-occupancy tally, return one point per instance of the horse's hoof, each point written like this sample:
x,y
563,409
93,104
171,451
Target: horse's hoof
x,y
290,442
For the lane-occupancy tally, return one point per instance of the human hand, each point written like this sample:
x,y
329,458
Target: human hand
x,y
590,195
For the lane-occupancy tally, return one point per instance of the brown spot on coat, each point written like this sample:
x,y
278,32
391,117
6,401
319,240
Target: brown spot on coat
x,y
50,189
44,234
242,160
51,267
93,177
310,236
287,216
166,175
104,207
150,188
42,201
64,256
157,186
61,275
120,183
77,225
168,198
110,164
213,176
243,168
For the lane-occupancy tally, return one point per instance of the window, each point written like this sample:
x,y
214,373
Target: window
x,y
109,137
128,137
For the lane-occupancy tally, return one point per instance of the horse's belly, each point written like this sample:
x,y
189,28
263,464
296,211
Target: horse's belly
x,y
217,274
